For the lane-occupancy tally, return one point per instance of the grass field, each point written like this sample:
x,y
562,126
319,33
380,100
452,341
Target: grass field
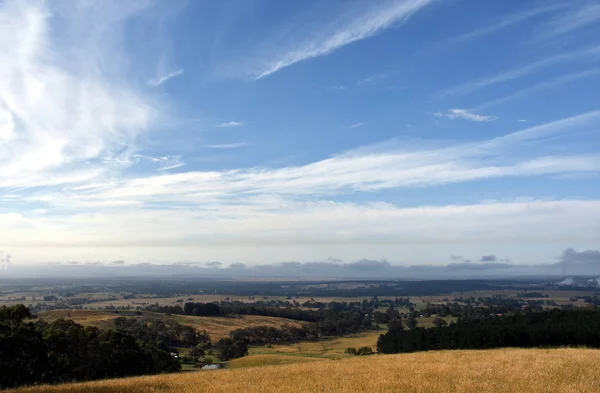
x,y
494,371
269,360
217,327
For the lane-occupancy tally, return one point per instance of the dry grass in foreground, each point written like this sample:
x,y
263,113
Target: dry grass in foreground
x,y
505,370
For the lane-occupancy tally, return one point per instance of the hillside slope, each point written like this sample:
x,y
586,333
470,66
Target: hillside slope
x,y
216,327
505,370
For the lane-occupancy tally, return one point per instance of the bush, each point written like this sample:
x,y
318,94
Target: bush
x,y
439,322
362,351
351,351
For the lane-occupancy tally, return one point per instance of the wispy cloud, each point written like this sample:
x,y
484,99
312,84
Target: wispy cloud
x,y
167,162
508,21
517,73
172,166
371,169
292,206
540,86
372,79
159,81
356,125
348,28
72,123
229,124
236,145
465,115
581,14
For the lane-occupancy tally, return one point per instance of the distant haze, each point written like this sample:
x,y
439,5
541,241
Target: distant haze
x,y
571,262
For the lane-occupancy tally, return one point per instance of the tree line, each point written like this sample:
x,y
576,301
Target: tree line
x,y
531,329
333,324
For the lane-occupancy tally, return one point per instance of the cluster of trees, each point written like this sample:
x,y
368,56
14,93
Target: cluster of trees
x,y
64,351
366,304
324,315
231,348
529,295
168,335
362,351
393,317
532,329
503,300
477,309
333,324
594,300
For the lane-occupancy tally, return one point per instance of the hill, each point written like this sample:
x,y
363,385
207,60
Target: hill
x,y
503,370
217,327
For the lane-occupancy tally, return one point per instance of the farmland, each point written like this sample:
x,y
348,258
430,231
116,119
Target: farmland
x,y
216,327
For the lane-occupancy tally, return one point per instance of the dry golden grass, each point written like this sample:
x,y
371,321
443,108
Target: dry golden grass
x,y
269,360
100,319
217,327
331,348
505,370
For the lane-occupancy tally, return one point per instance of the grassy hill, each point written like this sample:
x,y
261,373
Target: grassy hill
x,y
504,370
216,327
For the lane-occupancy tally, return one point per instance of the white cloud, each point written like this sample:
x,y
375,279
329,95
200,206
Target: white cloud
x,y
236,145
368,169
168,162
60,116
159,81
356,125
230,124
258,232
175,216
172,166
346,28
465,115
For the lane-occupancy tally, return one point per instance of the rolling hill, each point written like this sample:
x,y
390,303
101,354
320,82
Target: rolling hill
x,y
503,370
217,327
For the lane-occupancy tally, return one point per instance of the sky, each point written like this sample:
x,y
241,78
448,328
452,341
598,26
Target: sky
x,y
251,132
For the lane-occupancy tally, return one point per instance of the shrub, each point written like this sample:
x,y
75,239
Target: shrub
x,y
362,351
351,351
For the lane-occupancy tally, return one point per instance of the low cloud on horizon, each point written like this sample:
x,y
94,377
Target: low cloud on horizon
x,y
570,262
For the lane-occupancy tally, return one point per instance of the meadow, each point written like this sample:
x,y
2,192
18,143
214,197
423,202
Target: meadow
x,y
491,371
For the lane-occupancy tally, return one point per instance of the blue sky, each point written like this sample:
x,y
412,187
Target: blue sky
x,y
260,131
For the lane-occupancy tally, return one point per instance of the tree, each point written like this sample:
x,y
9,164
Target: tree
x,y
231,349
392,313
397,324
439,322
362,351
198,352
411,321
351,351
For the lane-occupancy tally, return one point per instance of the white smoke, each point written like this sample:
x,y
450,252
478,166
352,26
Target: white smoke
x,y
4,261
566,282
